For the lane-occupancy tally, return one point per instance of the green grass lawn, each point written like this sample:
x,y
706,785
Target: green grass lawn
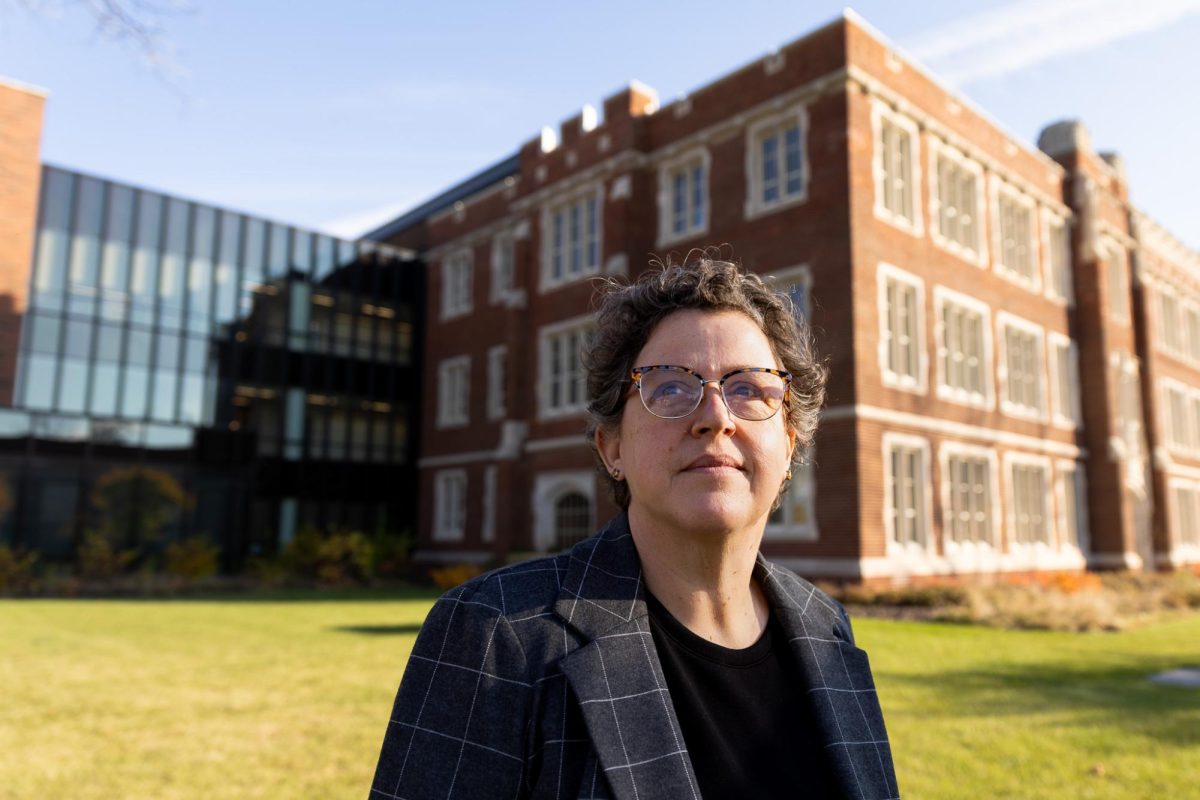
x,y
288,698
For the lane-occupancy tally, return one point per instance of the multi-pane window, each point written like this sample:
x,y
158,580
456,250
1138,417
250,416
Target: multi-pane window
x,y
1126,388
571,236
449,505
1073,511
1064,388
457,282
1186,498
1191,314
562,382
969,498
895,168
1117,284
1022,369
796,283
907,473
1014,236
453,392
796,518
1181,419
777,168
901,329
683,197
956,205
503,268
1058,258
497,377
1028,493
963,351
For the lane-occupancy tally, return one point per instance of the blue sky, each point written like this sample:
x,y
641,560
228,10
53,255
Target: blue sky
x,y
337,115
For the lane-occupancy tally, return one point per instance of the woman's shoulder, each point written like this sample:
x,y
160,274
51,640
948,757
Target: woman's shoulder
x,y
513,591
790,591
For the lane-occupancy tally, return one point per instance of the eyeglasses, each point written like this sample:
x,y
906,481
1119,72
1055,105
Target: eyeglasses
x,y
671,392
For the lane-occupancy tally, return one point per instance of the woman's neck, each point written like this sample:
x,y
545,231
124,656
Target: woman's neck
x,y
706,582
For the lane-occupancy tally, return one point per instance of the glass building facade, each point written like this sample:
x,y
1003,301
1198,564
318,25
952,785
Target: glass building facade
x,y
268,372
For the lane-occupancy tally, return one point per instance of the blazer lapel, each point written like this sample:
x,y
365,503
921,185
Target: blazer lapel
x,y
617,677
840,684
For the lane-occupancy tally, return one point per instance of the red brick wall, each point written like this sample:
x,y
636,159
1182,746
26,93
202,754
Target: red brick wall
x,y
20,173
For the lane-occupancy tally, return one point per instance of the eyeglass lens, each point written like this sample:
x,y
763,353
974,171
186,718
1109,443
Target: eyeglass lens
x,y
671,392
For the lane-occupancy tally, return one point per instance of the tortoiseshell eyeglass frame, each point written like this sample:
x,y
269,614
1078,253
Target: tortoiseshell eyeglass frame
x,y
636,376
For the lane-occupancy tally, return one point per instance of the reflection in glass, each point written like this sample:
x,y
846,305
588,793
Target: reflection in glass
x,y
114,268
38,381
293,430
277,261
171,279
79,339
325,257
72,388
166,354
299,294
14,424
50,266
163,406
43,332
104,389
301,250
225,275
139,347
143,279
191,399
67,429
168,436
200,277
84,275
134,389
108,342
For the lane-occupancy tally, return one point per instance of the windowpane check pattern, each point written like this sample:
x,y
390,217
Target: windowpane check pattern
x,y
957,201
1028,490
1186,498
1015,252
907,475
1065,395
1058,246
895,145
573,238
969,516
457,284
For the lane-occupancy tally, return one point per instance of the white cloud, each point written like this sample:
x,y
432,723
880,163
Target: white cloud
x,y
1018,35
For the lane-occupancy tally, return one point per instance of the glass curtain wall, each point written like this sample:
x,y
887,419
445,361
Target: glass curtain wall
x,y
156,324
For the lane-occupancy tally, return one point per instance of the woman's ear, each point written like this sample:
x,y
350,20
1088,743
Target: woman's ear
x,y
608,445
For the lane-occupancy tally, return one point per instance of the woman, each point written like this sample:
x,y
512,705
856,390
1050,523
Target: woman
x,y
664,657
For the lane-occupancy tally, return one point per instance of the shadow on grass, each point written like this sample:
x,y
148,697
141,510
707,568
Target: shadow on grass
x,y
1118,694
333,595
379,630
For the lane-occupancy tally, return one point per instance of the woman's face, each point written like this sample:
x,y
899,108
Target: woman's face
x,y
708,472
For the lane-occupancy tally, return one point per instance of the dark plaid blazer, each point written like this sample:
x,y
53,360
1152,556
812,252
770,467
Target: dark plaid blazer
x,y
541,680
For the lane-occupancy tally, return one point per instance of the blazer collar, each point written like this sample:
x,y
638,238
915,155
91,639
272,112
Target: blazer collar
x,y
618,679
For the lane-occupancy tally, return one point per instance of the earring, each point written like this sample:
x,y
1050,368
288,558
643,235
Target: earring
x,y
788,477
616,474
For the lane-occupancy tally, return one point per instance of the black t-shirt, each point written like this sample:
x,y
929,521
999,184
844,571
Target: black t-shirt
x,y
747,721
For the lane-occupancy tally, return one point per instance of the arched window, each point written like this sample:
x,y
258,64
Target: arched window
x,y
572,520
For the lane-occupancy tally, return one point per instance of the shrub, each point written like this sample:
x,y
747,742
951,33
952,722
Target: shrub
x,y
16,570
338,559
452,575
390,554
97,559
192,558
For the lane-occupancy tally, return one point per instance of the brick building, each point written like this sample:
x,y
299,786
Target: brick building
x,y
1014,349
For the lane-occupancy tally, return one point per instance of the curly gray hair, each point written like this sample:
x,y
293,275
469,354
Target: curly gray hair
x,y
629,313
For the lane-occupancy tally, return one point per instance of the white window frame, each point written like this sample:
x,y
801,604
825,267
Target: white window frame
x,y
582,324
685,162
548,487
881,113
970,551
987,399
918,383
1015,459
761,129
782,280
978,254
497,380
1110,249
501,286
925,548
1191,321
1066,293
578,196
453,393
1004,320
449,505
1033,281
804,483
1180,434
1125,369
1077,475
1182,551
1064,412
457,283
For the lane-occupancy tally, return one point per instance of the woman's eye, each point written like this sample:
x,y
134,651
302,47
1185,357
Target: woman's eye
x,y
743,389
668,390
